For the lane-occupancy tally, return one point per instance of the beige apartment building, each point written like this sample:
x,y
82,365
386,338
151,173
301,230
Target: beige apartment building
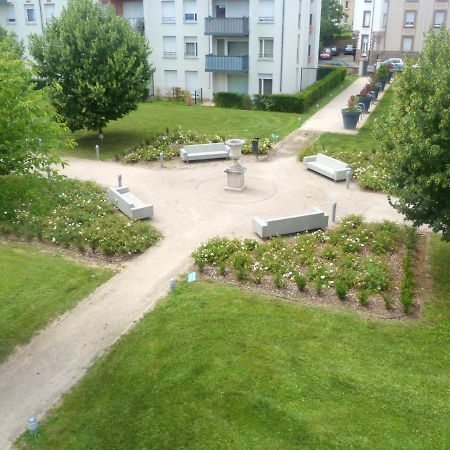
x,y
349,9
395,28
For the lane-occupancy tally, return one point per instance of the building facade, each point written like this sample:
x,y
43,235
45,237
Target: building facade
x,y
244,46
349,11
395,28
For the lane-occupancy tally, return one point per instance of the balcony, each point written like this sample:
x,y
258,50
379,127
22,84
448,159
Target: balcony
x,y
226,26
216,63
137,23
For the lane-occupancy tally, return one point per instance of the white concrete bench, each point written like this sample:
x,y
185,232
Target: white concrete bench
x,y
129,204
325,165
288,225
204,151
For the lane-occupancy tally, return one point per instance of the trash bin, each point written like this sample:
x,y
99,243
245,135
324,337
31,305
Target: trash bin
x,y
255,146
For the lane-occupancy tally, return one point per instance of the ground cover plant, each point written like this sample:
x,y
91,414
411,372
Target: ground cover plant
x,y
361,151
69,213
151,119
36,287
358,263
216,367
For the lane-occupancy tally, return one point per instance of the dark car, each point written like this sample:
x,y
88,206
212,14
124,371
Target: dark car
x,y
349,49
325,53
334,51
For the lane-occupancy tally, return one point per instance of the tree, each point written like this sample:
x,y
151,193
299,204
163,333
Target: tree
x,y
415,137
10,41
29,127
95,62
330,20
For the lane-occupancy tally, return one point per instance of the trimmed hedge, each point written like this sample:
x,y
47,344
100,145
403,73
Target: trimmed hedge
x,y
301,101
232,100
322,72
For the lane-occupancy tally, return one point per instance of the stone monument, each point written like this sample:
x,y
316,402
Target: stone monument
x,y
235,173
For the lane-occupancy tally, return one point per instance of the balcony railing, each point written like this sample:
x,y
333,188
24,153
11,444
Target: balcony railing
x,y
226,26
137,23
216,63
266,19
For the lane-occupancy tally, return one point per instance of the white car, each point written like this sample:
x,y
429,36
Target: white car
x,y
397,64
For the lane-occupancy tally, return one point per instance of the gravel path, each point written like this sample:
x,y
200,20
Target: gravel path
x,y
191,206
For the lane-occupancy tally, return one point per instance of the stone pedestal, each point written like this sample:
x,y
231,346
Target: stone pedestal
x,y
235,178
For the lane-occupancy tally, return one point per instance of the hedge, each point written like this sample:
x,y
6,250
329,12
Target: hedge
x,y
301,101
232,100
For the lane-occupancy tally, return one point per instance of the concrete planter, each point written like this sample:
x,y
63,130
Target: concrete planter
x,y
350,119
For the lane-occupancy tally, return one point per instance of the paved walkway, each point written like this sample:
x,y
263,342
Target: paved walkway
x,y
329,118
190,207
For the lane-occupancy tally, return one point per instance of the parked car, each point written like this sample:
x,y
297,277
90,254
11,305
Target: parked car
x,y
325,53
396,64
349,49
335,62
334,51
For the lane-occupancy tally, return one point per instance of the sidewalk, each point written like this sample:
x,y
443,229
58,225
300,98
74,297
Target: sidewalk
x,y
329,118
191,206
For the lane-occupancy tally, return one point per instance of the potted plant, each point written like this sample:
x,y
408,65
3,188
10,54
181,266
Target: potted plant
x,y
383,75
351,114
375,82
365,97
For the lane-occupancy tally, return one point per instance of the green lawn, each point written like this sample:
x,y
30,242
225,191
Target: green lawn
x,y
213,367
154,117
35,288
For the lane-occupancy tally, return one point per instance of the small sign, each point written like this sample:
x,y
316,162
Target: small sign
x,y
192,276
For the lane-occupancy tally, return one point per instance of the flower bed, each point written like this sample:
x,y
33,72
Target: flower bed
x,y
358,263
169,143
69,213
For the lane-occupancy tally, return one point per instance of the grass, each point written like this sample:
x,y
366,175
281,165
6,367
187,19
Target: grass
x,y
35,288
358,150
152,118
215,367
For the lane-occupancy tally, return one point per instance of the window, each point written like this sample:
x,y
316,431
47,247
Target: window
x,y
169,47
30,14
345,19
364,44
10,14
407,44
168,11
190,46
439,19
49,11
265,84
266,48
220,11
410,19
366,19
266,11
346,4
190,11
170,78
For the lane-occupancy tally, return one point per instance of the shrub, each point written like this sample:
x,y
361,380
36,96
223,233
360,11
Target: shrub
x,y
240,262
363,297
300,281
408,283
232,100
341,289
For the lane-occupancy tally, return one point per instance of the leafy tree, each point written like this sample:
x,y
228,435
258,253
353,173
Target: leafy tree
x,y
10,41
415,137
330,20
96,63
29,126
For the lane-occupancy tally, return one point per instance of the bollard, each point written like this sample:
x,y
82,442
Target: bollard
x,y
119,180
333,212
161,159
173,284
348,178
97,152
33,425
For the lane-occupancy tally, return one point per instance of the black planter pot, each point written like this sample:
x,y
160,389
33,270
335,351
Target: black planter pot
x,y
350,119
366,101
383,83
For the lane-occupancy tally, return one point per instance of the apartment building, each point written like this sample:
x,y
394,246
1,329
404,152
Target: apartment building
x,y
245,46
349,10
394,28
26,17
